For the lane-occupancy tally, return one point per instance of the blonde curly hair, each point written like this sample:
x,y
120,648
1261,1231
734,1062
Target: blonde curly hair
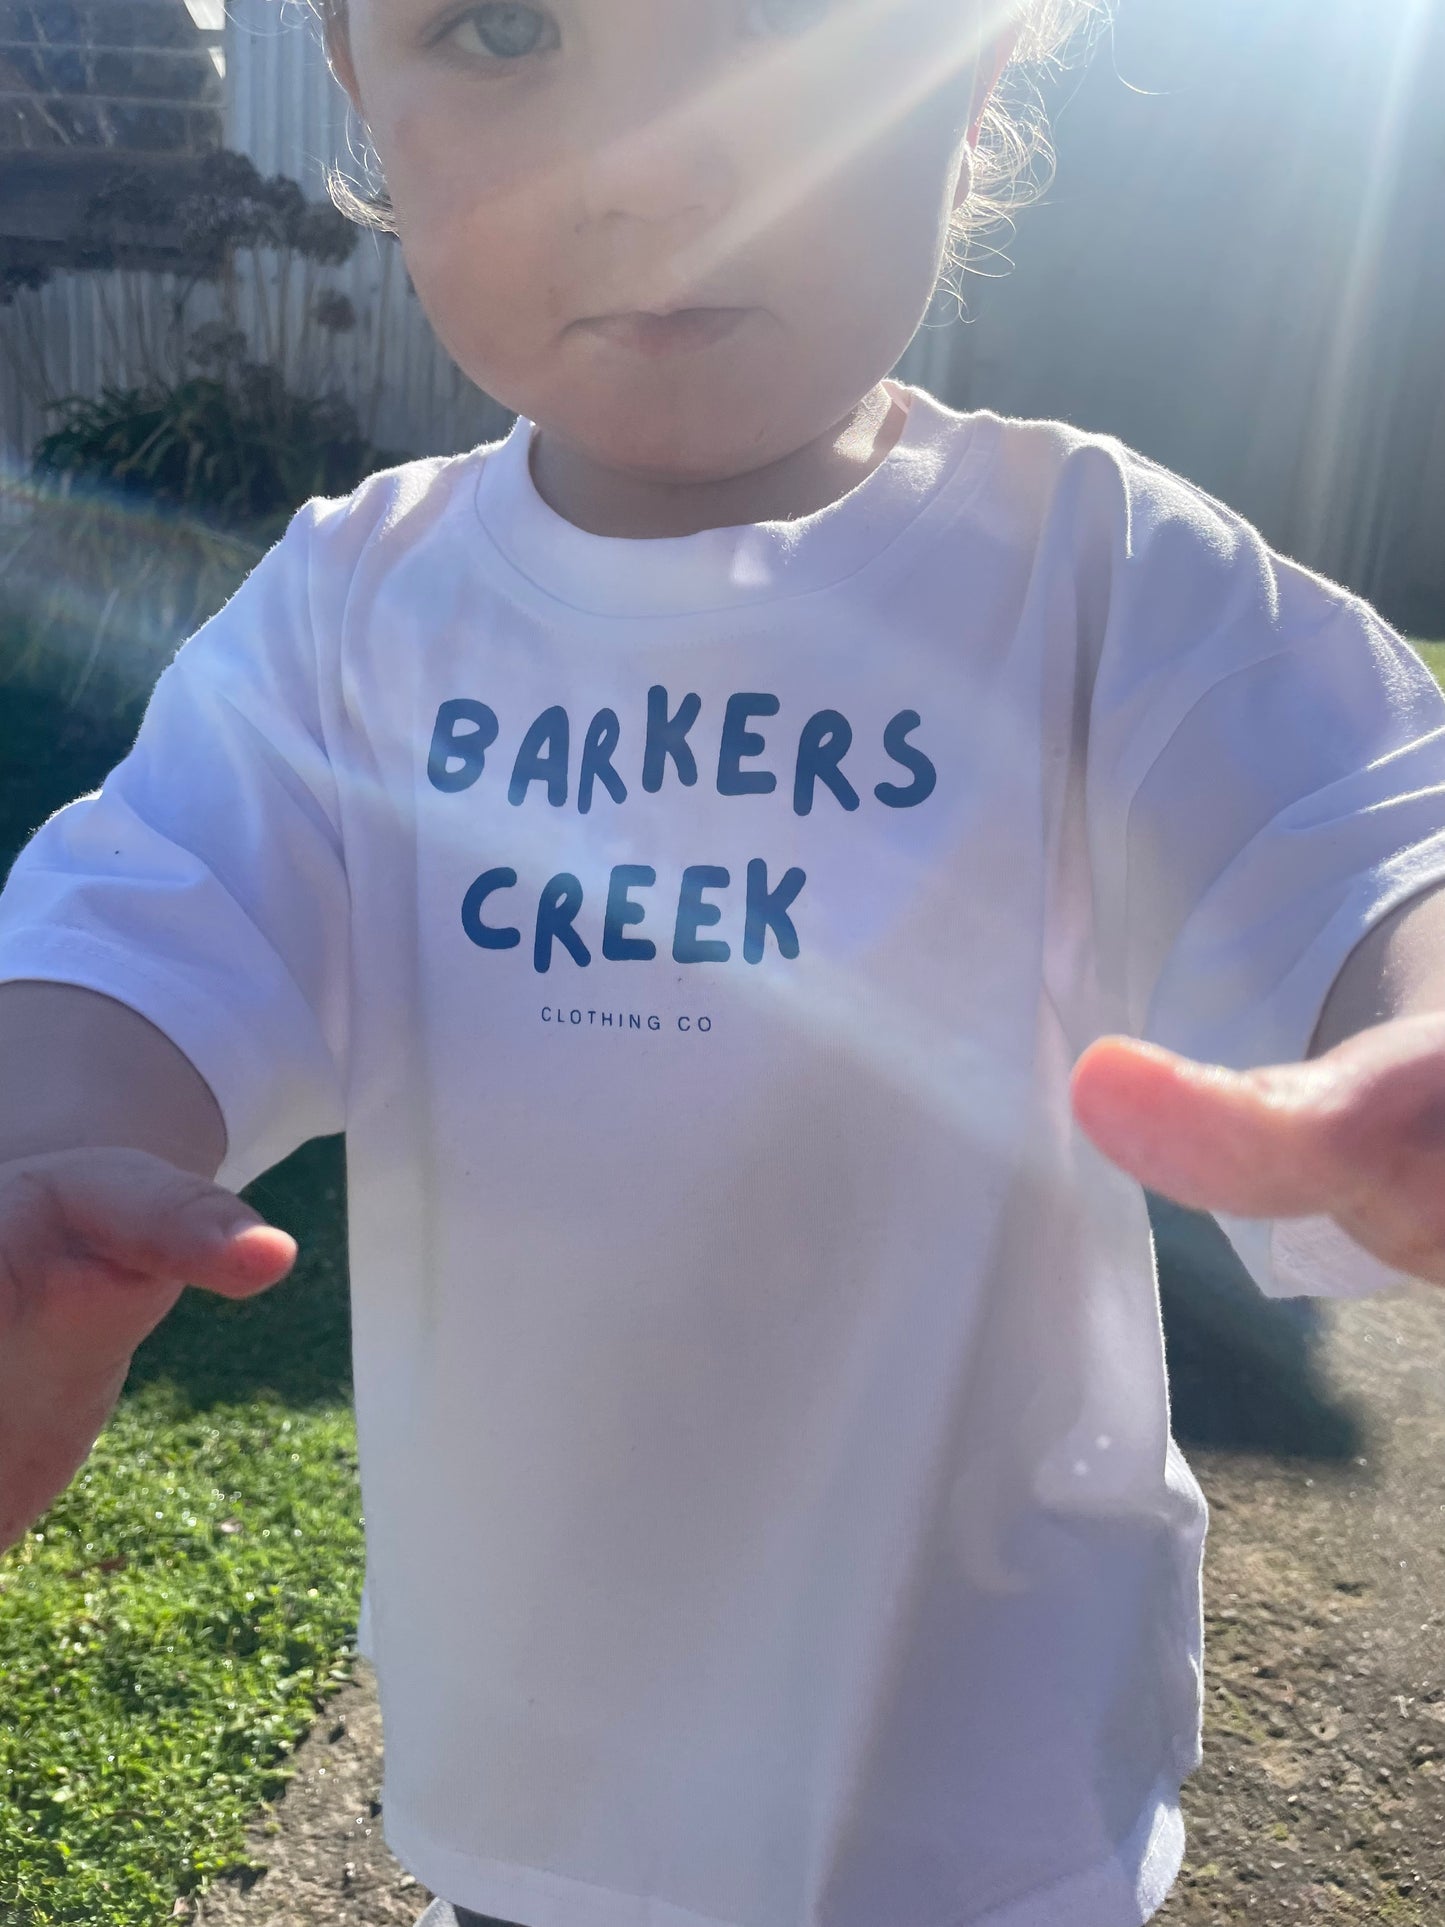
x,y
1013,160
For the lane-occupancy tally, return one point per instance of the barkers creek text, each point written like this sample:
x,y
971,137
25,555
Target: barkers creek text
x,y
466,729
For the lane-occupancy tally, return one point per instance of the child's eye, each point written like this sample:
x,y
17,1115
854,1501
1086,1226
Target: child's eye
x,y
503,32
782,16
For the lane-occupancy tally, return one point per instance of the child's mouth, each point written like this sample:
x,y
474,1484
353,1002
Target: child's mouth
x,y
663,334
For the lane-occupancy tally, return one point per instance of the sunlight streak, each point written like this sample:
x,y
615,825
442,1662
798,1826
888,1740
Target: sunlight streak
x,y
1328,456
954,54
770,92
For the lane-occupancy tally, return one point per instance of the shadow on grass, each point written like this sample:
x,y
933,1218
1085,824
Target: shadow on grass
x,y
1244,1373
50,751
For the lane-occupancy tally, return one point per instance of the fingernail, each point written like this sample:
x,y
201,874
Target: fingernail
x,y
223,1234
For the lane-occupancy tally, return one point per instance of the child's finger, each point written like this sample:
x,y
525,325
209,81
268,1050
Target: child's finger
x,y
1243,1142
246,1259
142,1216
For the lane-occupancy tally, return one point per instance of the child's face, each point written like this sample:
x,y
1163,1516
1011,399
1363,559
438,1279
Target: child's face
x,y
560,172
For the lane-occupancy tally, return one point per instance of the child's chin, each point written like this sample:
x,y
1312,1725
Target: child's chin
x,y
679,438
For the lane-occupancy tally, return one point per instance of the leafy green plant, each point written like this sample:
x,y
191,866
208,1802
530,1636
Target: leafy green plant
x,y
219,228
238,448
148,503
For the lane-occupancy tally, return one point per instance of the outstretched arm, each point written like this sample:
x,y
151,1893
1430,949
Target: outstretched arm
x,y
78,1069
108,1142
1355,1132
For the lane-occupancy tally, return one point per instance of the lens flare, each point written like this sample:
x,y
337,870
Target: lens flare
x,y
767,89
97,587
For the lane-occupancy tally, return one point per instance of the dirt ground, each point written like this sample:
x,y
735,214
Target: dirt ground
x,y
1322,1793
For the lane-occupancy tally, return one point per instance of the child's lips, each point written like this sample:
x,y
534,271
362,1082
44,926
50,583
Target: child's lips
x,y
681,330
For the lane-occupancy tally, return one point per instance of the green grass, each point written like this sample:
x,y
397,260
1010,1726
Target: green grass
x,y
1434,656
169,1630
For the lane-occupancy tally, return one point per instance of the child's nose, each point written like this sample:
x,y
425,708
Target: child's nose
x,y
669,169
661,144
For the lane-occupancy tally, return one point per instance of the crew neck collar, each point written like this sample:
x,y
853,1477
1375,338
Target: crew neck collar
x,y
732,567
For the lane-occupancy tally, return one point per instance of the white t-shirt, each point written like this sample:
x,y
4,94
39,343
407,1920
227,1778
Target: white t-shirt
x,y
773,1517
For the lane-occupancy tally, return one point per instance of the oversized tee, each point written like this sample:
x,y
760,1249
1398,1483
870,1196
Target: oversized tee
x,y
773,1517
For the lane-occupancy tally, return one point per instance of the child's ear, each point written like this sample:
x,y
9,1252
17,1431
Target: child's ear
x,y
336,36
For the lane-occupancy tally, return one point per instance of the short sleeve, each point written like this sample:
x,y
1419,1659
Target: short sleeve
x,y
1266,782
204,884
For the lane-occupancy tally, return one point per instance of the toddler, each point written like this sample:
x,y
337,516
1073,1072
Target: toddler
x,y
688,848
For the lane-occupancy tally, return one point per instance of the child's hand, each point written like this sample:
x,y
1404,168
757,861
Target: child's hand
x,y
96,1246
1357,1134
